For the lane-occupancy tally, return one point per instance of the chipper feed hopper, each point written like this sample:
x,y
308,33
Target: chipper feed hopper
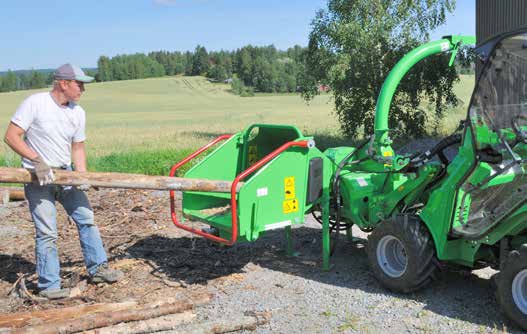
x,y
423,209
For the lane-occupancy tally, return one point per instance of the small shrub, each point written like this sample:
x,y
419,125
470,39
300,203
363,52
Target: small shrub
x,y
238,88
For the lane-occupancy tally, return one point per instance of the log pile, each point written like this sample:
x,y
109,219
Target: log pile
x,y
130,317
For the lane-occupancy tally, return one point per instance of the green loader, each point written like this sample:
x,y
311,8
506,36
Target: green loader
x,y
424,210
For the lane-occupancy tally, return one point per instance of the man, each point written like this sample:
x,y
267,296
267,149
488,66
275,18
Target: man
x,y
48,131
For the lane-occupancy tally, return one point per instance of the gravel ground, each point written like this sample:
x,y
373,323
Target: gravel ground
x,y
301,297
304,299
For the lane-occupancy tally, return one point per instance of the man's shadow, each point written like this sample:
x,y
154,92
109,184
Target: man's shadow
x,y
189,260
12,265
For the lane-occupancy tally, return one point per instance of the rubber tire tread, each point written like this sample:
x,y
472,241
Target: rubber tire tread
x,y
516,261
420,252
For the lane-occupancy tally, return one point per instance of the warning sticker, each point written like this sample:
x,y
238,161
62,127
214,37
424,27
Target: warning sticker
x,y
289,187
261,192
290,205
362,182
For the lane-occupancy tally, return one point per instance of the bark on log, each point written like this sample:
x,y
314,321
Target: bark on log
x,y
110,318
164,323
227,325
119,180
23,319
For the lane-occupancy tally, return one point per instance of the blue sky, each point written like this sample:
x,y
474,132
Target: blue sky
x,y
46,34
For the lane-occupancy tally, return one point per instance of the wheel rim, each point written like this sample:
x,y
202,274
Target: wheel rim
x,y
519,290
391,256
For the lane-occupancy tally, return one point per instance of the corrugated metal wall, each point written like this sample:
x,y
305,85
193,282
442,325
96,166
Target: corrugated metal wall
x,y
497,16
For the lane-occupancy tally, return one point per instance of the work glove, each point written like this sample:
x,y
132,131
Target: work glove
x,y
83,187
43,171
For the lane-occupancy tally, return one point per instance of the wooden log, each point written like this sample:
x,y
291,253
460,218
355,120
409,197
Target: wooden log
x,y
119,180
18,320
109,318
10,194
164,323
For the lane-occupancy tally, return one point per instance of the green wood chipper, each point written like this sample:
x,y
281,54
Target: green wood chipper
x,y
423,209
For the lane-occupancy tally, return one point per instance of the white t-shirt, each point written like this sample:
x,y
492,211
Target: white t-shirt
x,y
50,128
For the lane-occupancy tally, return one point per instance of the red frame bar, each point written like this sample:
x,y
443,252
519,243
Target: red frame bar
x,y
172,193
241,176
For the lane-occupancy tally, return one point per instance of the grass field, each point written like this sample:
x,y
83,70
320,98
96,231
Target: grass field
x,y
463,90
138,125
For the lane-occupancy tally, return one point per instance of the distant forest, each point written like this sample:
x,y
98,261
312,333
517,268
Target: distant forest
x,y
20,80
248,69
251,68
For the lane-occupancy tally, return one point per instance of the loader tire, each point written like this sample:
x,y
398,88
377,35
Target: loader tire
x,y
511,284
401,254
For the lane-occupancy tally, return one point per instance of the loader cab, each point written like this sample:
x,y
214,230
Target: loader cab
x,y
493,188
498,109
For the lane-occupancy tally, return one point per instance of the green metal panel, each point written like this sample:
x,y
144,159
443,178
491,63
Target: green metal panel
x,y
439,209
356,189
274,196
220,164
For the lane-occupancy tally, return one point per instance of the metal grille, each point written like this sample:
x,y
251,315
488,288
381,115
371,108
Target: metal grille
x,y
501,95
497,16
494,17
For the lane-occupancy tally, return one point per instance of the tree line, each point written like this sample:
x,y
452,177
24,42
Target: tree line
x,y
250,68
12,80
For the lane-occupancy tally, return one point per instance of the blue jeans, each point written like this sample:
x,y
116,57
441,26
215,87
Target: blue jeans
x,y
44,213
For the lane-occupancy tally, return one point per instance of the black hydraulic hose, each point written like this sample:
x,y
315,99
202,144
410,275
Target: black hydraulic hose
x,y
345,161
446,142
437,149
337,226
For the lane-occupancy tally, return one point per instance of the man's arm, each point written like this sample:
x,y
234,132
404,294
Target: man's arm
x,y
78,155
14,138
